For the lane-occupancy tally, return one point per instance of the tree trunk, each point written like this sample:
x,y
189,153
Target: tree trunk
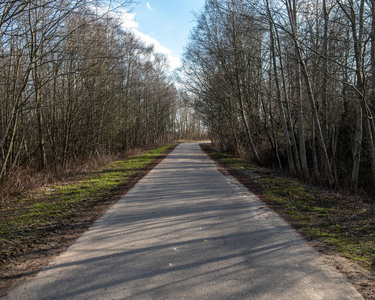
x,y
292,17
292,168
357,146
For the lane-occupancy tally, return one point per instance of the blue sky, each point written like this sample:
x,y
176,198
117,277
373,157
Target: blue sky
x,y
164,23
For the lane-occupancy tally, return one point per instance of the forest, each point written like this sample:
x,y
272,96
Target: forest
x,y
289,84
75,85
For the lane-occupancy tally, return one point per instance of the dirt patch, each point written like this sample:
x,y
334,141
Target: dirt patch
x,y
37,251
362,279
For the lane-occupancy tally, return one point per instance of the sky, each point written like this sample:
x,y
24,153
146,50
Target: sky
x,y
164,23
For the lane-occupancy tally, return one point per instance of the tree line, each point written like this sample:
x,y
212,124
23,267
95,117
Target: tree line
x,y
74,84
290,83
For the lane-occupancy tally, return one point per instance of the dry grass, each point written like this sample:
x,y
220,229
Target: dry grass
x,y
23,180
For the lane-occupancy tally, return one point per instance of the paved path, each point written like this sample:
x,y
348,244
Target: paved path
x,y
187,232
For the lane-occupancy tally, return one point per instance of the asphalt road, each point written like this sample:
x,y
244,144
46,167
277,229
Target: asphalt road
x,y
186,231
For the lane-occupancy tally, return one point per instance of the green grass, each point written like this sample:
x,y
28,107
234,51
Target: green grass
x,y
345,224
40,211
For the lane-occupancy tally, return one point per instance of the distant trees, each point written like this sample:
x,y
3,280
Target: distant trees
x,y
290,83
73,84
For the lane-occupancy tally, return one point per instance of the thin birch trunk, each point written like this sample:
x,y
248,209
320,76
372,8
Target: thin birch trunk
x,y
292,18
301,152
292,168
358,53
357,146
314,155
301,127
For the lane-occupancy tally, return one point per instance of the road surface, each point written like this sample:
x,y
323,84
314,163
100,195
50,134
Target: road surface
x,y
186,231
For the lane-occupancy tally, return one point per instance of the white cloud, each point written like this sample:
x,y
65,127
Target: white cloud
x,y
127,19
129,23
148,6
174,62
151,41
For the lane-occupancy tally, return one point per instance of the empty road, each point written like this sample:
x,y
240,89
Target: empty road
x,y
186,231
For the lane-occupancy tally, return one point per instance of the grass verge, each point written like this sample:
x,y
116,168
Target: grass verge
x,y
344,224
40,221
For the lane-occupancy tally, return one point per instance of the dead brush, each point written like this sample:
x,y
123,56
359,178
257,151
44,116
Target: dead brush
x,y
25,179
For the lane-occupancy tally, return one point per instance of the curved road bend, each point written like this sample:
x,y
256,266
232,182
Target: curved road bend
x,y
185,231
